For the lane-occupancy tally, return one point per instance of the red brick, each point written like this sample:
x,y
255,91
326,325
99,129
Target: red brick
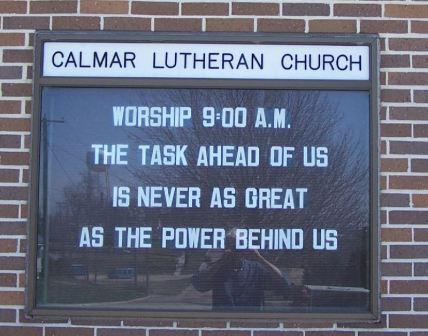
x,y
383,147
104,7
305,9
10,72
28,107
329,333
12,263
31,39
12,39
7,315
382,212
7,280
420,304
9,175
382,43
8,245
406,11
11,298
395,130
10,158
383,290
395,95
21,331
171,24
9,210
382,113
23,242
13,193
75,22
395,61
27,142
277,333
244,25
22,279
14,124
280,25
420,200
420,96
29,72
419,27
396,304
10,107
226,333
332,26
46,7
393,165
17,89
364,10
421,234
408,321
408,78
170,332
255,8
26,22
394,200
69,331
421,269
382,182
420,61
10,141
127,23
18,56
421,131
383,26
120,332
381,333
154,8
13,7
408,182
12,228
204,8
396,235
408,147
410,44
408,217
382,78
383,251
408,113
409,251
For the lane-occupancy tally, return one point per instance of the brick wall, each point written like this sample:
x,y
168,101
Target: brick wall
x,y
403,27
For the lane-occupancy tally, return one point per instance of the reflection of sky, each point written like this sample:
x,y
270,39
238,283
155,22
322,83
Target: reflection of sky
x,y
87,116
354,106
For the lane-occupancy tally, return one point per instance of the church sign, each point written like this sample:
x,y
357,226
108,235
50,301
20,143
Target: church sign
x,y
204,175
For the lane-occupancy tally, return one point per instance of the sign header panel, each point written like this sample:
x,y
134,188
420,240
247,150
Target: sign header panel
x,y
216,61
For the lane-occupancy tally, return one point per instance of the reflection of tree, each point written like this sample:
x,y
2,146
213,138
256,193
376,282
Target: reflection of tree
x,y
337,196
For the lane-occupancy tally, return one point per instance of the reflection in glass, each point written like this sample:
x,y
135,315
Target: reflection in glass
x,y
75,193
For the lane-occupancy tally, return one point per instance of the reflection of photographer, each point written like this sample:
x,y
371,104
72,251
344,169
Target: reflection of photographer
x,y
238,279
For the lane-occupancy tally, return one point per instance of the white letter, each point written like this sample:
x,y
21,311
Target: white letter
x,y
167,234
